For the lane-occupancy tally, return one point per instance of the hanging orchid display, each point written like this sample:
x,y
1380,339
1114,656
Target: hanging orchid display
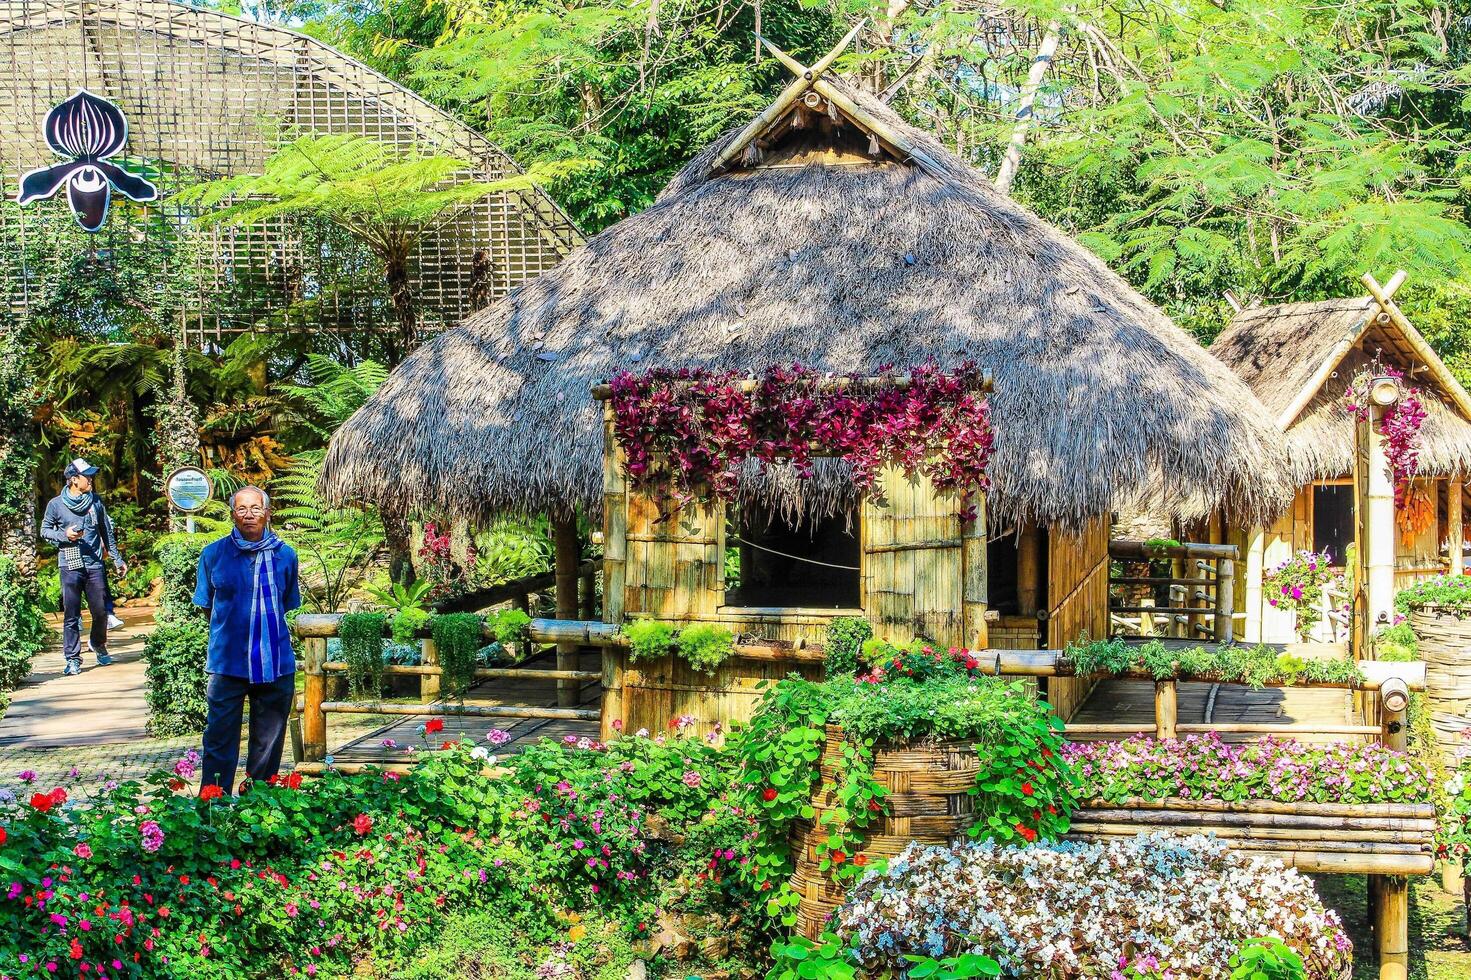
x,y
86,130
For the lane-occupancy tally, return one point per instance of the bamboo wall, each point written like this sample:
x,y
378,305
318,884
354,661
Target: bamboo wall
x,y
1077,601
1292,532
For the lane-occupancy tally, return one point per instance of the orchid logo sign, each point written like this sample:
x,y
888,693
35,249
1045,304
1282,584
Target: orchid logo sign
x,y
85,131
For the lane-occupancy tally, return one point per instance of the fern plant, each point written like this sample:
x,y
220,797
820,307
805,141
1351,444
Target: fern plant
x,y
335,545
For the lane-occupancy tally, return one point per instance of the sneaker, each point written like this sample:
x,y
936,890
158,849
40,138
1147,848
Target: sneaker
x,y
104,659
113,623
72,668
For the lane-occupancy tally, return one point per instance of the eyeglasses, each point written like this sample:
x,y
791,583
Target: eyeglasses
x,y
250,511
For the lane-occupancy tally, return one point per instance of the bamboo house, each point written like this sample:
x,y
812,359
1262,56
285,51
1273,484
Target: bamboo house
x,y
1299,359
827,232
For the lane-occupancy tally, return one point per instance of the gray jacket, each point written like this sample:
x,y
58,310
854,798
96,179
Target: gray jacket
x,y
96,532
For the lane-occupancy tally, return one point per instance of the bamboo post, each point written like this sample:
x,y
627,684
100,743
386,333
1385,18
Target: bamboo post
x,y
974,587
1256,553
429,684
1394,700
1225,624
1377,530
1029,571
1177,600
1455,539
589,594
1392,927
564,529
313,719
1166,709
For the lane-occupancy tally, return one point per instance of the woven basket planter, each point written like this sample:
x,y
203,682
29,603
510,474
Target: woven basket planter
x,y
1445,646
928,801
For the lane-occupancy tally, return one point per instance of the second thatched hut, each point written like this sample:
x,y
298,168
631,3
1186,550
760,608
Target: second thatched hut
x,y
829,233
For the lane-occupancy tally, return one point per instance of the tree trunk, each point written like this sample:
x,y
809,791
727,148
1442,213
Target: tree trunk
x,y
401,297
568,552
1012,161
397,537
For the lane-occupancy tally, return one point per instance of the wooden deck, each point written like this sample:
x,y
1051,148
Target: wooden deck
x,y
403,730
1132,701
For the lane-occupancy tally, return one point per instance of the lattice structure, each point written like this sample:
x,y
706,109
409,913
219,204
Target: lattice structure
x,y
207,95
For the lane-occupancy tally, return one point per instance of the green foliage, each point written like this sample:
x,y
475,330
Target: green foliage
x,y
409,606
23,630
1267,958
333,393
1447,593
648,639
361,635
18,449
334,546
175,653
1024,789
705,646
406,624
1256,666
510,626
457,638
511,549
845,637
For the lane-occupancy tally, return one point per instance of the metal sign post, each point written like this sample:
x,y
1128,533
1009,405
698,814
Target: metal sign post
x,y
188,489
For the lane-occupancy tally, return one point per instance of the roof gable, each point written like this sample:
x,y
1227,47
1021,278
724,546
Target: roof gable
x,y
1286,353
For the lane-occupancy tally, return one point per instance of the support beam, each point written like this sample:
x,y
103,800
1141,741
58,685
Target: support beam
x,y
1029,590
1225,624
564,532
1455,539
1376,530
1392,927
1166,709
1256,550
313,719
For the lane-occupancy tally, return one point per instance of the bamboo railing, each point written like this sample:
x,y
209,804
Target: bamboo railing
x,y
1206,590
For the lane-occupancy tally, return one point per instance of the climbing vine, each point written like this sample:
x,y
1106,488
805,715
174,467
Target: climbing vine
x,y
691,432
361,635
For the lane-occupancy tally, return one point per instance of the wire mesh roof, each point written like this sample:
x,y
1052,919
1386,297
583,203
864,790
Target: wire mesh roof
x,y
206,95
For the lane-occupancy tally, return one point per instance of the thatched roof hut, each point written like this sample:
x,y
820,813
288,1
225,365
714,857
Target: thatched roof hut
x,y
1299,359
846,241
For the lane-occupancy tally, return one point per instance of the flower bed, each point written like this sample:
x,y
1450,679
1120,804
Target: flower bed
x,y
1202,767
1144,907
318,877
1257,666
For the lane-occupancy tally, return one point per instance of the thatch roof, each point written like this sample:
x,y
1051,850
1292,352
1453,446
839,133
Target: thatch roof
x,y
825,255
1299,358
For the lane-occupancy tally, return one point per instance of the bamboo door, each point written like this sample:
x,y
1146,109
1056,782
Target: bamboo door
x,y
913,562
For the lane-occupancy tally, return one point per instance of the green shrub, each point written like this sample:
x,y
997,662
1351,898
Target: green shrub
x,y
648,638
705,646
1267,958
174,655
406,624
1254,666
845,637
23,630
510,626
362,647
177,650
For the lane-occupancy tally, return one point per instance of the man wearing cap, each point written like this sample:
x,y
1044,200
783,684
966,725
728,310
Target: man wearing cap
x,y
248,582
77,523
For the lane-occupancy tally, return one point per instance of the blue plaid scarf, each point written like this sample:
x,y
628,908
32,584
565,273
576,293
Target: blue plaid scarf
x,y
265,606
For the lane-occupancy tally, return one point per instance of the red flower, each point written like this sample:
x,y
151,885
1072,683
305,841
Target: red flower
x,y
58,796
861,860
42,801
1027,789
433,725
873,806
293,781
768,794
211,792
362,824
839,857
3,835
176,784
1026,832
448,745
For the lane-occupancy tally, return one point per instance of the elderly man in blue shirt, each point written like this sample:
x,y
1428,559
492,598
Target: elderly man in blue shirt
x,y
248,582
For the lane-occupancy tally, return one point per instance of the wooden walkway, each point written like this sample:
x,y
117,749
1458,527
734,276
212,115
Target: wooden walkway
x,y
1132,701
403,730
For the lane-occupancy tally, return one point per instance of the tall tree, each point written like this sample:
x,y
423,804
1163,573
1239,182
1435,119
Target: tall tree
x,y
385,198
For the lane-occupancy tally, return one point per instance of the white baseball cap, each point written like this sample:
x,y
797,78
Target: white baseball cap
x,y
80,467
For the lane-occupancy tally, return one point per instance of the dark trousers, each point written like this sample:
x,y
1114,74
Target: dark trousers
x,y
270,706
75,582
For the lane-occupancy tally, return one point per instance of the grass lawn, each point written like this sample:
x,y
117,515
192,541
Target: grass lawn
x,y
1439,948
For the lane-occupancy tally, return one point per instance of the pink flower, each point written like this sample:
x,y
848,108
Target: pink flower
x,y
82,850
152,836
692,779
